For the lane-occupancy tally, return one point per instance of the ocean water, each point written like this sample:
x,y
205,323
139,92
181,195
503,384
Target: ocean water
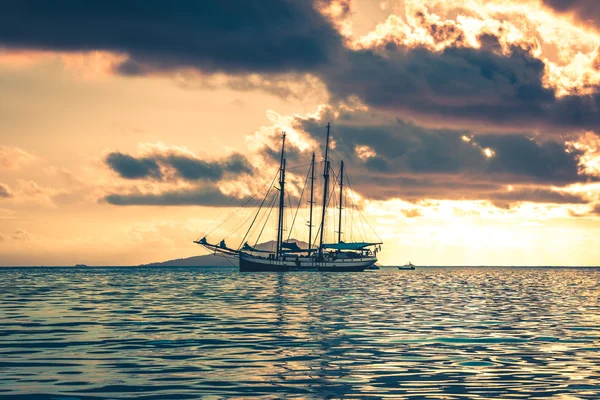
x,y
177,333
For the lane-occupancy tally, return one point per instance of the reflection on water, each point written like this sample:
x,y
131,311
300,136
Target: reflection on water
x,y
149,333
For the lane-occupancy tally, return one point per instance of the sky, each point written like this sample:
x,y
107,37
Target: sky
x,y
469,129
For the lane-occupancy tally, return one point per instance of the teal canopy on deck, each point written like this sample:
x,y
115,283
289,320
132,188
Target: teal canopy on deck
x,y
348,246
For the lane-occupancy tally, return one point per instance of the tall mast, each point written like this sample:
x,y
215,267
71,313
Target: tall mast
x,y
281,199
325,190
312,191
341,198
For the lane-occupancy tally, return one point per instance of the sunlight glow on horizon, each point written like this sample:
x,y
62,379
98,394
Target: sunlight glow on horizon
x,y
63,113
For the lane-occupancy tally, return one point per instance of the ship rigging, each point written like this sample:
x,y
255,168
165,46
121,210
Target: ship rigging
x,y
288,255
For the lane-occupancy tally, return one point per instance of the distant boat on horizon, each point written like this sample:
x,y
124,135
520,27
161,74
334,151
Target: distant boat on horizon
x,y
80,265
407,266
288,256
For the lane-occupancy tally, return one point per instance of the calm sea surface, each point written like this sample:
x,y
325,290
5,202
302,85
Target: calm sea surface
x,y
170,333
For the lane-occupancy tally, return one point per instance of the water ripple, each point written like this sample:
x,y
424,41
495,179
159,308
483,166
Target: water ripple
x,y
152,333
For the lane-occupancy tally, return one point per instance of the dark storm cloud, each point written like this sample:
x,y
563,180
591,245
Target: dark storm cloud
x,y
466,86
538,195
413,162
206,196
586,10
459,85
376,187
459,187
195,169
185,167
133,168
542,161
273,152
235,36
5,191
405,149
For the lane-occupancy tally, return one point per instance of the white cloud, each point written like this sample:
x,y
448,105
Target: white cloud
x,y
5,191
12,157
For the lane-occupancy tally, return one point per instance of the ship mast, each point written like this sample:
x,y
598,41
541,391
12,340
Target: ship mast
x,y
325,190
341,199
281,199
312,191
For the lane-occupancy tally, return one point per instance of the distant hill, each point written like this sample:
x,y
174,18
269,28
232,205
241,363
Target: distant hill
x,y
212,260
209,260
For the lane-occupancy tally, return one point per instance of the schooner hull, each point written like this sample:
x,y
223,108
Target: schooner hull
x,y
255,264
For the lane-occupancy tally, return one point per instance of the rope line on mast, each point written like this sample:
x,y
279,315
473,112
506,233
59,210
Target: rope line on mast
x,y
271,206
341,180
258,212
298,208
226,258
325,193
351,205
328,200
281,215
363,217
311,201
240,225
236,211
232,199
301,166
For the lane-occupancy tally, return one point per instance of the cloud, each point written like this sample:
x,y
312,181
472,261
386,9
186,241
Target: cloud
x,y
539,160
236,36
592,212
27,191
5,191
397,148
283,85
412,213
460,64
587,11
133,168
389,158
32,191
205,196
176,176
184,166
21,235
13,157
194,169
463,87
537,195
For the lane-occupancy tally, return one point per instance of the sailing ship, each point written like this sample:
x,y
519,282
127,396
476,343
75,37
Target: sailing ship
x,y
318,255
